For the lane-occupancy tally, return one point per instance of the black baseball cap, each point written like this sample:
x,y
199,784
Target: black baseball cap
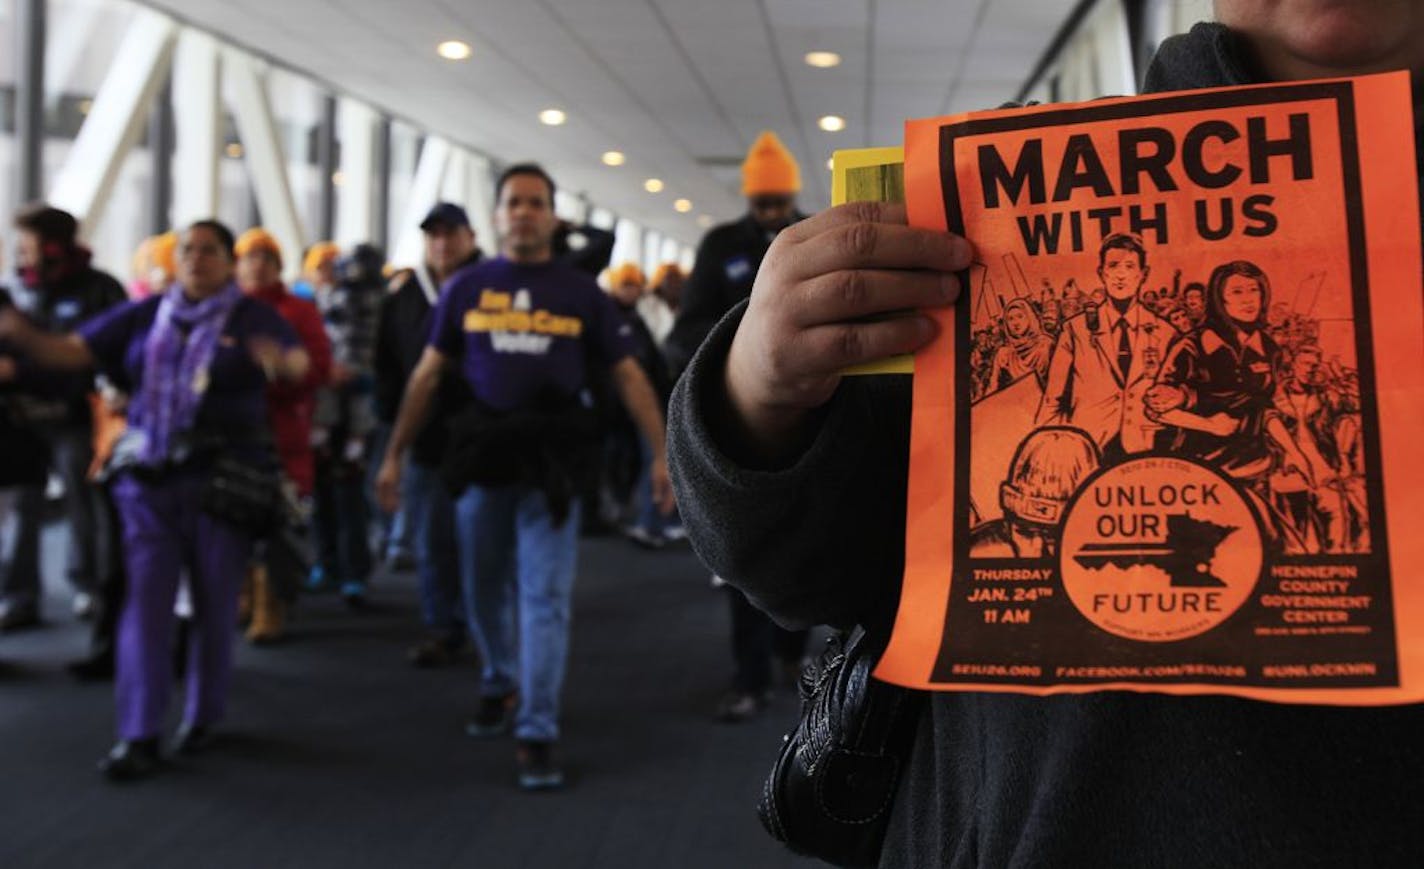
x,y
446,214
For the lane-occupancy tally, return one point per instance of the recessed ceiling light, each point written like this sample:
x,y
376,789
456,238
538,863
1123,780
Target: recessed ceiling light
x,y
832,123
338,178
553,117
614,158
683,205
453,49
653,185
234,151
822,59
704,220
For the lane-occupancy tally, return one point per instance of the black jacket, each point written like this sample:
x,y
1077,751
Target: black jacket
x,y
59,398
722,275
24,453
401,335
1108,779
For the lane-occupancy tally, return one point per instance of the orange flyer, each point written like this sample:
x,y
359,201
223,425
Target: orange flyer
x,y
1168,440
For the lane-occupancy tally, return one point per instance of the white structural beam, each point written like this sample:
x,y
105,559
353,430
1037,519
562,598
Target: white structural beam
x,y
197,104
75,21
669,251
424,192
456,186
119,114
356,130
652,247
627,242
481,204
266,164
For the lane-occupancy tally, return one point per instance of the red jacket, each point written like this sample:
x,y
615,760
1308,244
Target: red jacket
x,y
290,405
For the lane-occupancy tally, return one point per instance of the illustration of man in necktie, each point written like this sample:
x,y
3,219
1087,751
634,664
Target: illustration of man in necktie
x,y
1107,357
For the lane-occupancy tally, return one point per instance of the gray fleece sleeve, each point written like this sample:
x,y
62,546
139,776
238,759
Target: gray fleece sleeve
x,y
818,542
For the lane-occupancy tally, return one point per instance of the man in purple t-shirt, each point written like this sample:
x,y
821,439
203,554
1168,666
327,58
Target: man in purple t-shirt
x,y
524,331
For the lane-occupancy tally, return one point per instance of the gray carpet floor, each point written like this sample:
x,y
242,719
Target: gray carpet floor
x,y
338,754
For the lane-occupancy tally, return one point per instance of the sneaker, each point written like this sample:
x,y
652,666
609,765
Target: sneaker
x,y
84,606
433,653
18,616
675,533
354,593
400,562
493,718
740,706
643,537
317,580
537,769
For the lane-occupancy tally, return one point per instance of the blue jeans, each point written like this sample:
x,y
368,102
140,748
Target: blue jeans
x,y
340,523
431,512
510,546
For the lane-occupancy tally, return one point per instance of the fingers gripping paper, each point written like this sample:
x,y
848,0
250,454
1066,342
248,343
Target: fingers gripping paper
x,y
1167,440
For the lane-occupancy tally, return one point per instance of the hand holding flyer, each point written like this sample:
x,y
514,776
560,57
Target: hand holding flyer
x,y
1164,441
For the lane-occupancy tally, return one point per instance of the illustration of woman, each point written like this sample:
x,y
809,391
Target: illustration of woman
x,y
1216,392
1026,348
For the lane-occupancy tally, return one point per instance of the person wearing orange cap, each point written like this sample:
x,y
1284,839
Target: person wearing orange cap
x,y
659,305
290,405
153,266
730,255
318,270
628,286
727,263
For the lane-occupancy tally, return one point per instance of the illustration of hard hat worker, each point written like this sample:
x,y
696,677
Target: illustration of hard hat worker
x,y
1048,467
1106,358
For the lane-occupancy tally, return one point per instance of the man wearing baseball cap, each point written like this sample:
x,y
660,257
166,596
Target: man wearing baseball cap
x,y
400,339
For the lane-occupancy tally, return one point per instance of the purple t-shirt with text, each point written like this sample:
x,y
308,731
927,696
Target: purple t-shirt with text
x,y
519,330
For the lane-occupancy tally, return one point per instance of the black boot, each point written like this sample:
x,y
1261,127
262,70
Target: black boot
x,y
191,739
97,667
130,760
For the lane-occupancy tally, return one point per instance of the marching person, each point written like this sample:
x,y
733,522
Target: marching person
x,y
196,360
524,330
402,330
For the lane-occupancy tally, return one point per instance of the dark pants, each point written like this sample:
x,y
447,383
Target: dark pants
x,y
112,581
340,521
756,639
90,530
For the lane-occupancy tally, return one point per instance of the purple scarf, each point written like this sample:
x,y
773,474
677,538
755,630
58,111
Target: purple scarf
x,y
176,356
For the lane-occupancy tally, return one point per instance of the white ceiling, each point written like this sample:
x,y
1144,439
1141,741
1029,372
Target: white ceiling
x,y
681,86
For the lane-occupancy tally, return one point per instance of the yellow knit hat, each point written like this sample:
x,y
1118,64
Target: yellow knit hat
x,y
258,238
164,253
156,253
625,273
770,168
663,272
319,254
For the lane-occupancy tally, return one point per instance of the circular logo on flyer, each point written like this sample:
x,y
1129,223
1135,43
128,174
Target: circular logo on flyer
x,y
1159,549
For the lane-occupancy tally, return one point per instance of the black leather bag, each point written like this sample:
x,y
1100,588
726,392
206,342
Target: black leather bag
x,y
245,495
830,792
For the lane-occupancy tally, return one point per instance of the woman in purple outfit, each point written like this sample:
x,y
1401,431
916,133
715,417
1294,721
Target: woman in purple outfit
x,y
196,360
